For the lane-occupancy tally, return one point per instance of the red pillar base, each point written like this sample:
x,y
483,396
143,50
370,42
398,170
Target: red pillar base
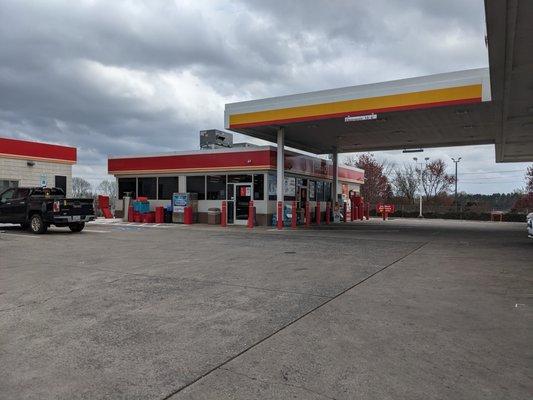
x,y
280,215
224,214
250,214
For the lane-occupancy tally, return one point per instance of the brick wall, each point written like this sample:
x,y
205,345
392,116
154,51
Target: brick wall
x,y
18,170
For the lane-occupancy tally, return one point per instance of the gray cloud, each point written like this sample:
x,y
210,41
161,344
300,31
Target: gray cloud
x,y
125,77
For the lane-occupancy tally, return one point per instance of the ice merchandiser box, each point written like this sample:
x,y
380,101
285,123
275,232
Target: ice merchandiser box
x,y
182,200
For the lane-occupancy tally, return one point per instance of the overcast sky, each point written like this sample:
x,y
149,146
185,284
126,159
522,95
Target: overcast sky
x,y
134,77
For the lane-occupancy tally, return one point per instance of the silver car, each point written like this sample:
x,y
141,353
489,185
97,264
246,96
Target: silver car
x,y
530,225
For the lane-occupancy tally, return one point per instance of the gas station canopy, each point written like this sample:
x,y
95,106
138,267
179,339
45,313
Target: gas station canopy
x,y
478,106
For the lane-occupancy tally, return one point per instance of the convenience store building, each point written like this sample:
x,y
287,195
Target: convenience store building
x,y
236,175
28,163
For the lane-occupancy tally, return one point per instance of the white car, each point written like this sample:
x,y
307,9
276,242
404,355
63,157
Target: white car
x,y
530,225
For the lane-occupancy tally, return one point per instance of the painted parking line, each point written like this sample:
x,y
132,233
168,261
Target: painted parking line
x,y
131,225
95,231
21,235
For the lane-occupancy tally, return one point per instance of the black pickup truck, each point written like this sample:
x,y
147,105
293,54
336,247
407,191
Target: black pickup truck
x,y
37,208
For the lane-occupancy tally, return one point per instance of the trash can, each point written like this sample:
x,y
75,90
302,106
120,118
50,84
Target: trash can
x,y
213,216
168,215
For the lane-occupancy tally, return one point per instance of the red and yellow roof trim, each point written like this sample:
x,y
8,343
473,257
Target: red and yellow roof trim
x,y
395,102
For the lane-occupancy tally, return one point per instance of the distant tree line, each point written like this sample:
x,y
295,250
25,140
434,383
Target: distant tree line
x,y
399,184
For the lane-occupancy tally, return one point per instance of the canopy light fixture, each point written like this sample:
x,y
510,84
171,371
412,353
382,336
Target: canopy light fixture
x,y
412,150
356,118
398,132
462,112
468,126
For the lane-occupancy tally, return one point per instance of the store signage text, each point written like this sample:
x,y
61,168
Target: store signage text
x,y
366,117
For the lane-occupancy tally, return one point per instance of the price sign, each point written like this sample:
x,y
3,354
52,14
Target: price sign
x,y
388,208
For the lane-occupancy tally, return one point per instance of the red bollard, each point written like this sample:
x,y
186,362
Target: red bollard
x,y
293,219
159,215
384,213
345,212
224,215
307,215
367,211
317,212
352,211
280,215
361,211
187,216
130,214
328,210
250,214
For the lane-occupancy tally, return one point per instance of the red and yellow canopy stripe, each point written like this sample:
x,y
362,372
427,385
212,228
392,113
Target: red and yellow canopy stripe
x,y
395,102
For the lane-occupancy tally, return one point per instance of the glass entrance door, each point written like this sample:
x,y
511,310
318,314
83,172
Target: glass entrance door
x,y
243,195
231,203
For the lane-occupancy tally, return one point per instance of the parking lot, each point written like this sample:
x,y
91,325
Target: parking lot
x,y
403,309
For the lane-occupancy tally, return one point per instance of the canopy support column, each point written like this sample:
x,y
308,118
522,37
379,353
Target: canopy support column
x,y
280,164
334,186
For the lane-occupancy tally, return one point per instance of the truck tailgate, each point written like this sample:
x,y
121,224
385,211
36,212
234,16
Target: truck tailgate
x,y
68,207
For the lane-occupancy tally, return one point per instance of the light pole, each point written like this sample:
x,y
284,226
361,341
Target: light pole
x,y
456,202
426,159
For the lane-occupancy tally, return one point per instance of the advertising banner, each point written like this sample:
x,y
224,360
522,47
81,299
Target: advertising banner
x,y
289,187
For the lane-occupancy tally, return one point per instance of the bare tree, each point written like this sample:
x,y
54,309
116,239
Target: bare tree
x,y
529,179
108,188
376,187
435,180
81,187
405,181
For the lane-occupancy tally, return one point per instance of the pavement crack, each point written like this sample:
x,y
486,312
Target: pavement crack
x,y
252,346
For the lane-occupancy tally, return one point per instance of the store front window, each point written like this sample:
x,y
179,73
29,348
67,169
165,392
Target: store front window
x,y
216,187
196,184
312,190
239,178
319,191
166,187
147,187
259,187
272,186
127,185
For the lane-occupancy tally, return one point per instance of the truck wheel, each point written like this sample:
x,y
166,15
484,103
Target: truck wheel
x,y
37,224
78,227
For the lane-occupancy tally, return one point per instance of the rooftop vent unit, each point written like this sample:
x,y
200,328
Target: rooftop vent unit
x,y
214,139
